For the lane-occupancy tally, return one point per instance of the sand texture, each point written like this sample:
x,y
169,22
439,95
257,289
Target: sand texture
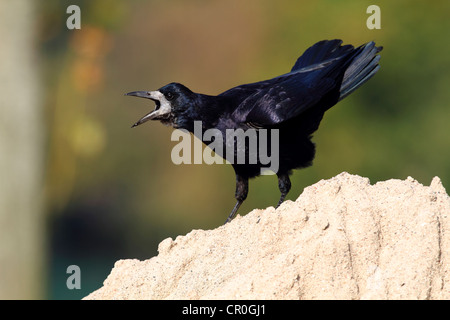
x,y
341,239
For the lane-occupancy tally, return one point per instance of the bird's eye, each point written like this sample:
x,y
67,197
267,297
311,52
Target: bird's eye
x,y
169,95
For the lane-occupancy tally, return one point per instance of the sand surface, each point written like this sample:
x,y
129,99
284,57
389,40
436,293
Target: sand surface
x,y
341,239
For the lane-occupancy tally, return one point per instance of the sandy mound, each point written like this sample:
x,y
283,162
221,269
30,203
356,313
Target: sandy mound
x,y
342,239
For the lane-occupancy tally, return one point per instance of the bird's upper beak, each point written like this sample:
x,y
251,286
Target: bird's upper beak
x,y
162,109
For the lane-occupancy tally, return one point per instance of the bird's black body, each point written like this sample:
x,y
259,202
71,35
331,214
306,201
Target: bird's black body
x,y
294,103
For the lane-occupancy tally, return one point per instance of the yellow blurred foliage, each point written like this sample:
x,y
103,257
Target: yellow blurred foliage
x,y
88,137
89,48
91,43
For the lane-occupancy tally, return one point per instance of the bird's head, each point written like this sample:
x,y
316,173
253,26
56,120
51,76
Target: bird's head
x,y
174,103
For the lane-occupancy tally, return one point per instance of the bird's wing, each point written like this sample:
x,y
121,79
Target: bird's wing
x,y
274,101
288,99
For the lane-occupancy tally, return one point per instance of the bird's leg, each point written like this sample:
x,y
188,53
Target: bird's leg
x,y
284,184
234,211
240,195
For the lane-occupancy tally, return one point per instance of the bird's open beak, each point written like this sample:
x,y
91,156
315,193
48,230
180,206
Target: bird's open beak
x,y
160,110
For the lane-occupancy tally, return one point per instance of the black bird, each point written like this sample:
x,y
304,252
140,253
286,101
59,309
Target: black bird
x,y
294,103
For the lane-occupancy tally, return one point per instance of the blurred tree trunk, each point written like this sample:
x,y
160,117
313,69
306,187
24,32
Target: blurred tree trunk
x,y
21,154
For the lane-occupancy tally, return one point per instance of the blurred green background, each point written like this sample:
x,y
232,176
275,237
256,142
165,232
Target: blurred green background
x,y
79,187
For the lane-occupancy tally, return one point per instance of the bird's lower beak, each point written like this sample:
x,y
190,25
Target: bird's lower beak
x,y
152,95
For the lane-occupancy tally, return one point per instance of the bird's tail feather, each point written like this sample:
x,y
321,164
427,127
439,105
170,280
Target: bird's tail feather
x,y
360,63
320,52
362,67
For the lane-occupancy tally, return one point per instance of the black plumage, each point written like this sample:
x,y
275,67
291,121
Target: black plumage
x,y
294,103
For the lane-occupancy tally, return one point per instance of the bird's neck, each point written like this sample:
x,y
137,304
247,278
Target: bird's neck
x,y
206,109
